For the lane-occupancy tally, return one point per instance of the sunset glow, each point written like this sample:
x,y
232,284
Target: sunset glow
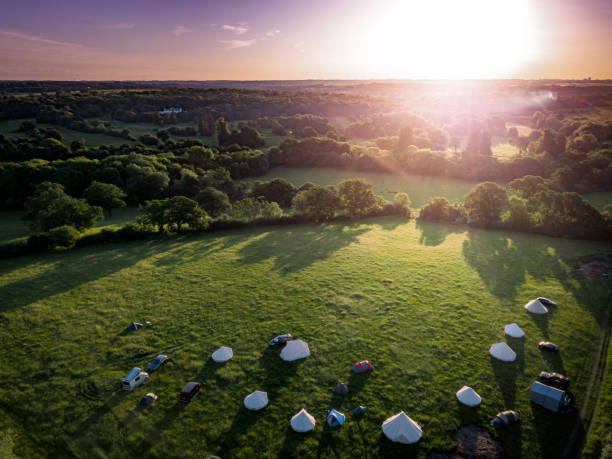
x,y
274,39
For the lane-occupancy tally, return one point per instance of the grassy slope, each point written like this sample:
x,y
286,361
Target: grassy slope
x,y
13,229
424,303
419,188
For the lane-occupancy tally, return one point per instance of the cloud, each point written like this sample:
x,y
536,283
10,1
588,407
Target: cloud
x,y
237,30
118,26
271,33
24,36
233,44
180,30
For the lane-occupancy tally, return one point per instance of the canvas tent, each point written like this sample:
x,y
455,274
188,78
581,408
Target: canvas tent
x,y
536,307
302,421
256,400
295,350
362,367
223,354
468,396
514,331
335,418
501,351
400,428
134,326
549,397
341,389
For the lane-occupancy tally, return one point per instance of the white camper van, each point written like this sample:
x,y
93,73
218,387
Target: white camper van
x,y
134,379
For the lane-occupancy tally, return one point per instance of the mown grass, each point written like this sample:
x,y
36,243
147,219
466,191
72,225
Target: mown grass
x,y
14,229
422,302
418,187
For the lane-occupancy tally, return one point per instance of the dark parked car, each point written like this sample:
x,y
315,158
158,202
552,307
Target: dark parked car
x,y
158,362
505,419
190,391
147,400
555,380
548,346
281,339
547,302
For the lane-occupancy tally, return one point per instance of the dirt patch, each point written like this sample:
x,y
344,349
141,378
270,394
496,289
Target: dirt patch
x,y
473,442
599,267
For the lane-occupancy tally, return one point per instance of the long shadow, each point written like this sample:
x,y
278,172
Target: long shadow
x,y
468,414
554,361
297,247
511,439
518,346
541,321
505,374
554,432
389,449
434,233
70,269
292,441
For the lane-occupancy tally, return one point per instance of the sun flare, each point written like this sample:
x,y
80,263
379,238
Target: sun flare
x,y
447,39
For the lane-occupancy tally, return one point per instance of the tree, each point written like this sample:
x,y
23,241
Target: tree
x,y
182,210
317,203
250,209
519,217
277,190
486,202
309,131
402,202
64,237
105,195
213,201
154,213
223,132
529,185
51,207
437,209
188,184
357,197
478,144
551,143
406,138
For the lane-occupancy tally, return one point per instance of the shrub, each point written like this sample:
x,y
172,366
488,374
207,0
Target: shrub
x,y
63,237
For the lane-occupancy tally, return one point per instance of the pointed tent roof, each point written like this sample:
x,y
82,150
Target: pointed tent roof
x,y
502,351
536,307
514,331
468,396
223,354
400,428
256,400
294,350
302,421
335,418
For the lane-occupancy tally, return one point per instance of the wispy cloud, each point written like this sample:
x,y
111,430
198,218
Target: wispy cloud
x,y
180,30
118,26
24,36
237,30
233,44
271,33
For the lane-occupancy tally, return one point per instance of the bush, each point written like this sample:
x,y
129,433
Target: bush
x,y
63,237
437,209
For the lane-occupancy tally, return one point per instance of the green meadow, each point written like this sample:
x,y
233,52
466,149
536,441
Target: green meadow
x,y
418,187
422,302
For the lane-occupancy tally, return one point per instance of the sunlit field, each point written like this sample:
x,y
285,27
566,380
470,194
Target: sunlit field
x,y
423,302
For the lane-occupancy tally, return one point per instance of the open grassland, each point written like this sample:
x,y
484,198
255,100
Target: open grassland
x,y
14,229
422,302
599,200
418,187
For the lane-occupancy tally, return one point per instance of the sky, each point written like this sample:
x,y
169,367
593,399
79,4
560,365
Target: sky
x,y
297,39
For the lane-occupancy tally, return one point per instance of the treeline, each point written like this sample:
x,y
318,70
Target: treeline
x,y
61,108
59,218
537,209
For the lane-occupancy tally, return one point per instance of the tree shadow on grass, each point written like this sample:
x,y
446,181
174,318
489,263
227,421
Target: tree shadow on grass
x,y
554,361
73,268
298,247
434,233
505,374
559,435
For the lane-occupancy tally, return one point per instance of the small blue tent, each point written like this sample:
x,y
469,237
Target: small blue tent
x,y
335,418
360,410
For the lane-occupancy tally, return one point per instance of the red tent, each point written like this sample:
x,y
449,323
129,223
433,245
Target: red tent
x,y
362,367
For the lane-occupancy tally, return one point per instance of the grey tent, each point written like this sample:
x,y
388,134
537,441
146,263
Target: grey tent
x,y
341,389
505,419
360,410
551,398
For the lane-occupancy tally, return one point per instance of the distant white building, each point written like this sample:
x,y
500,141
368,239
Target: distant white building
x,y
171,110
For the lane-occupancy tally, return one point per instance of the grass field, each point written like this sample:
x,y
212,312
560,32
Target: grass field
x,y
14,229
423,302
599,200
419,188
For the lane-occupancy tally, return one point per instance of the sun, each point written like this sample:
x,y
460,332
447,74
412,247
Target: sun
x,y
447,39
